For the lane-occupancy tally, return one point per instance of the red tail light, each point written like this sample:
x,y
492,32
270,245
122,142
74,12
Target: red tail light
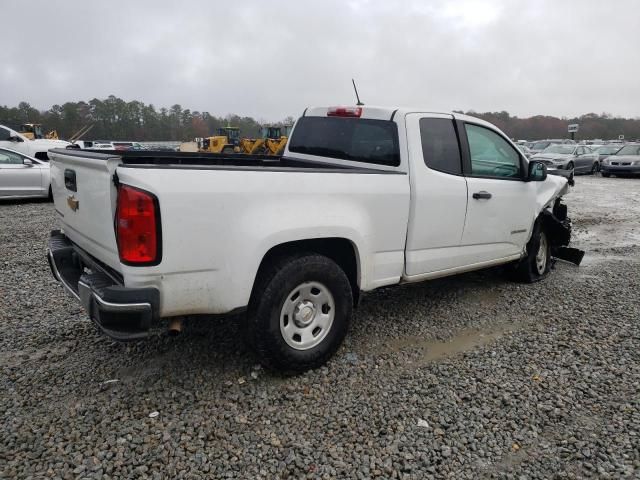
x,y
344,112
138,227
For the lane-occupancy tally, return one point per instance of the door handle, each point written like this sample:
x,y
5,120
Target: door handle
x,y
482,194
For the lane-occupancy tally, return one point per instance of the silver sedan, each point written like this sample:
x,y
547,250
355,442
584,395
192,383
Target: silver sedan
x,y
575,158
22,176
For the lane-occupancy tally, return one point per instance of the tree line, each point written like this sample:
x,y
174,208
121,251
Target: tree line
x,y
603,126
114,118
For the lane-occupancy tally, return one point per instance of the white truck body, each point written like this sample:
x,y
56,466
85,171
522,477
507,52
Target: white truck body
x,y
36,148
405,222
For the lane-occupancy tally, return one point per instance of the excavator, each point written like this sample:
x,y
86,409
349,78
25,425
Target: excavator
x,y
226,140
34,131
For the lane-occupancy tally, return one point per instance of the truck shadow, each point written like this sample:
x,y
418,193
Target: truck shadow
x,y
212,347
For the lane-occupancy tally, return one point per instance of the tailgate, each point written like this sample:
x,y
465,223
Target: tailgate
x,y
85,197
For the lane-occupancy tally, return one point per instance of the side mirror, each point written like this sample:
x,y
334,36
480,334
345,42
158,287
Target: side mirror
x,y
27,163
16,139
537,171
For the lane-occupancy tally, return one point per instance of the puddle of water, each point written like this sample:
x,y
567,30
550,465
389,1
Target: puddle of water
x,y
465,340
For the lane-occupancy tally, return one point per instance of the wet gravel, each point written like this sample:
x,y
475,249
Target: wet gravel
x,y
467,377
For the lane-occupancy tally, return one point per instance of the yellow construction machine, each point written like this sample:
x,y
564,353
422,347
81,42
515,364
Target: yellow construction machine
x,y
271,143
34,131
275,141
227,140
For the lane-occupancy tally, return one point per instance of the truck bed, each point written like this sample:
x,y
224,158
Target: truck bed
x,y
217,161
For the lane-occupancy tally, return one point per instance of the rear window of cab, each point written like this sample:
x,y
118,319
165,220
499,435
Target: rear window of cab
x,y
355,139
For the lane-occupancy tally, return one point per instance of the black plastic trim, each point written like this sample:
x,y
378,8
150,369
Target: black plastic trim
x,y
393,114
319,169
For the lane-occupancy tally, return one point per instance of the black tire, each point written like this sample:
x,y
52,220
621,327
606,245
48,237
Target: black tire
x,y
529,270
595,168
274,285
606,175
571,167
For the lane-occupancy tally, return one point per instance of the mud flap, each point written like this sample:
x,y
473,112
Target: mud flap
x,y
557,225
569,254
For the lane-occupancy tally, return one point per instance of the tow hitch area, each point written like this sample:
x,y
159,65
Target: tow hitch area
x,y
558,225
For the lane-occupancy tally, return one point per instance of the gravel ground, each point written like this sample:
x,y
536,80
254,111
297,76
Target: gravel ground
x,y
467,377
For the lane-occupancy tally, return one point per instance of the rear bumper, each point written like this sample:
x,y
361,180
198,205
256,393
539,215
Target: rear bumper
x,y
120,312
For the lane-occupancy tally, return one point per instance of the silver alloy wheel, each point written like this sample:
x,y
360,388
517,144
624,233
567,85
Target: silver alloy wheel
x,y
307,315
541,256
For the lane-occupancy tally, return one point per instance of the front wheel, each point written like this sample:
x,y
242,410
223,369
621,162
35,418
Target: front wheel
x,y
537,263
299,312
570,166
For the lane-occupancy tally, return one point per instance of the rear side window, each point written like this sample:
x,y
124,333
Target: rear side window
x,y
355,139
440,145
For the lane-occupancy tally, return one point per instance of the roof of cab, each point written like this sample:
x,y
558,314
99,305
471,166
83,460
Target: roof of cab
x,y
388,113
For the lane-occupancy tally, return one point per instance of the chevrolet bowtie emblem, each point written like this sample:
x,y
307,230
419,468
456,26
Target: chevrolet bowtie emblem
x,y
73,203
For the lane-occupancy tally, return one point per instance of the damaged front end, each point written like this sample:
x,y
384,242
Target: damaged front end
x,y
557,225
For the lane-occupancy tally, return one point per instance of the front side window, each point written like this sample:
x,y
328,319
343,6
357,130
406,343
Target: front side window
x,y
10,158
491,155
440,145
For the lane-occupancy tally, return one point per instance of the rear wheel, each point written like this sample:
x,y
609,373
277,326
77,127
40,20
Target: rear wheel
x,y
536,265
299,312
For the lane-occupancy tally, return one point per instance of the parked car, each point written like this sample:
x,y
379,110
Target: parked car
x,y
540,145
625,162
363,197
22,176
576,158
524,149
82,144
102,146
604,151
37,148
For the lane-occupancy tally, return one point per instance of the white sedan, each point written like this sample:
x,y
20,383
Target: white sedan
x,y
22,176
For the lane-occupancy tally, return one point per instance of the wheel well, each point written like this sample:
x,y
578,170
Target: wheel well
x,y
340,250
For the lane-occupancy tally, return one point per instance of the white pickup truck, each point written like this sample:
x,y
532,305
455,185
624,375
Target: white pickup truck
x,y
363,197
36,148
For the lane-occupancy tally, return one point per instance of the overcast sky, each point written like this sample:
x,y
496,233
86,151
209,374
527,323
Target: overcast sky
x,y
269,59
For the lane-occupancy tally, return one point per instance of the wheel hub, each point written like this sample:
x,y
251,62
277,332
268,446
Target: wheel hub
x,y
307,315
304,313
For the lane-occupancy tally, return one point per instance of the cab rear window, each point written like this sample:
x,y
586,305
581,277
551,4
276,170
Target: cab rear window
x,y
354,139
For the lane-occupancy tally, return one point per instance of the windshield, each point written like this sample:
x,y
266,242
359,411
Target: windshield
x,y
562,149
540,145
629,150
607,150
